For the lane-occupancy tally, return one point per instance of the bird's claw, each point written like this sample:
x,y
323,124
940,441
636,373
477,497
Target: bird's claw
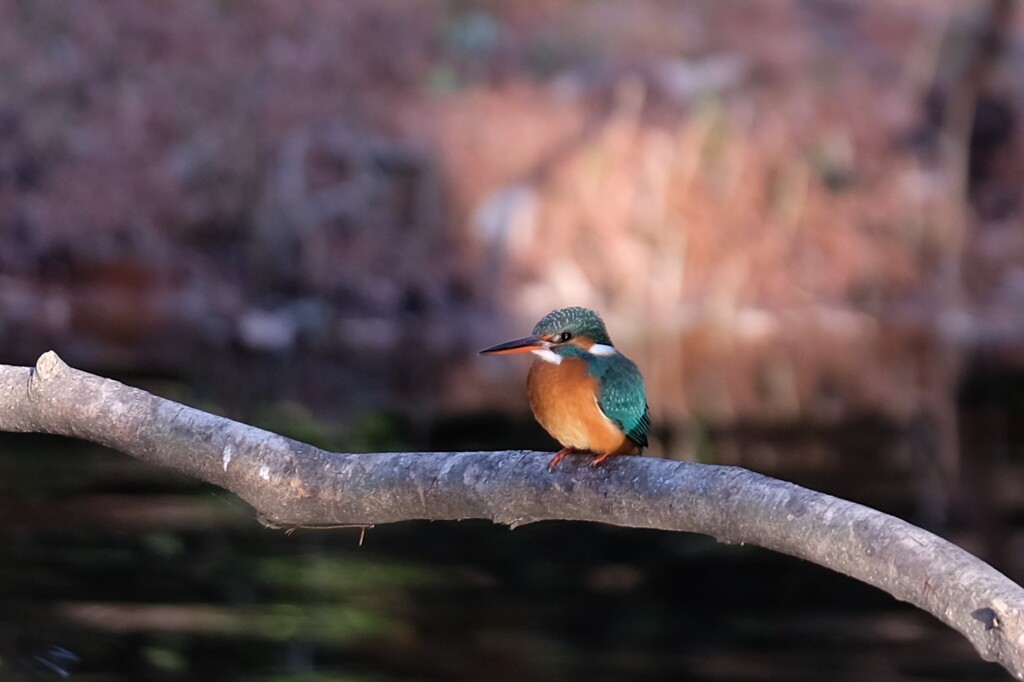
x,y
565,452
559,456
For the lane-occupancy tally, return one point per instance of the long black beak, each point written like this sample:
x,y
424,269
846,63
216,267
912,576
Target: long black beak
x,y
523,345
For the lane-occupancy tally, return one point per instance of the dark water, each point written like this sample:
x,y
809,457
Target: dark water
x,y
113,570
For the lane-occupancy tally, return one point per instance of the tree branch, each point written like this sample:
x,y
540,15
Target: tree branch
x,y
293,484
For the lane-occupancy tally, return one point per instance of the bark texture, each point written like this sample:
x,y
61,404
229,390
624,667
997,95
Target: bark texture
x,y
293,484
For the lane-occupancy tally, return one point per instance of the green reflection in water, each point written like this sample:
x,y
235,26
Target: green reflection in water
x,y
365,432
343,575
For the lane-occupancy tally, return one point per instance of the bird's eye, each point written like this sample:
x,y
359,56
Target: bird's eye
x,y
564,336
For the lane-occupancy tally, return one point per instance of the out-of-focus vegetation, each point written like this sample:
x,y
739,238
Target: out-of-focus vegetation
x,y
755,194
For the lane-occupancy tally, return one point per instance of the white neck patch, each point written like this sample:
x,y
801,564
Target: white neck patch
x,y
548,356
601,349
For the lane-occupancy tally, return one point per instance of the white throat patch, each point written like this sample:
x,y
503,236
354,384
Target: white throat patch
x,y
548,356
601,349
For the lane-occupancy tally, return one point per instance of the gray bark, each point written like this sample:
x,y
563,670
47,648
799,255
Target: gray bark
x,y
293,484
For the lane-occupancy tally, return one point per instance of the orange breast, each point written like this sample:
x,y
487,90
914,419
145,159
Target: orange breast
x,y
564,400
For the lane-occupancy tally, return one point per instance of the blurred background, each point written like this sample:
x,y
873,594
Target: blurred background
x,y
801,218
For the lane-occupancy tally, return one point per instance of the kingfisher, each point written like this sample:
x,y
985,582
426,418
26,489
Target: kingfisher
x,y
590,397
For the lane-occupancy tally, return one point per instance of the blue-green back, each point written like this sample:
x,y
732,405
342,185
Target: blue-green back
x,y
623,396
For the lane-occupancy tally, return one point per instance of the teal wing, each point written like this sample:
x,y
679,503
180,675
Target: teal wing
x,y
623,397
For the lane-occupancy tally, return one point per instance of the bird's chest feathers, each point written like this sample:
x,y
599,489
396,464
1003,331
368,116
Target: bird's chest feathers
x,y
563,397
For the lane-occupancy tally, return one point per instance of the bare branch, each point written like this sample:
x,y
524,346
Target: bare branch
x,y
293,484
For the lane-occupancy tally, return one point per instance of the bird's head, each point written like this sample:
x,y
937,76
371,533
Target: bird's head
x,y
561,333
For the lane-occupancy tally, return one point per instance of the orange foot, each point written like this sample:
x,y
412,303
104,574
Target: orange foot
x,y
601,458
561,455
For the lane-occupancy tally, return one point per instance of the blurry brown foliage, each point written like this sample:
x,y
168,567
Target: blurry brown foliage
x,y
749,191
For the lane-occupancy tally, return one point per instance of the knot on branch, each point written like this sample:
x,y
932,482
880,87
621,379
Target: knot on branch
x,y
48,366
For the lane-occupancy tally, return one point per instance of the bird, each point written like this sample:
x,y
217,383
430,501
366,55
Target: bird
x,y
585,393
